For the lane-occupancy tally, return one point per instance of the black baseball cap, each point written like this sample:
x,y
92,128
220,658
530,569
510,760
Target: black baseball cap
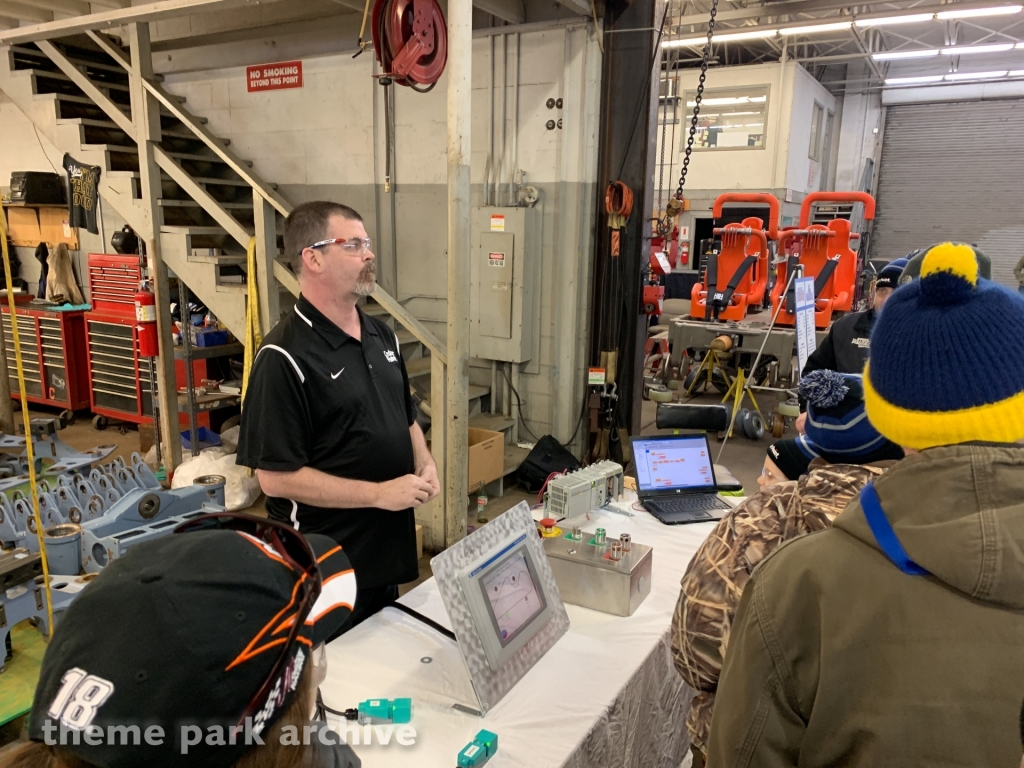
x,y
181,632
789,458
889,275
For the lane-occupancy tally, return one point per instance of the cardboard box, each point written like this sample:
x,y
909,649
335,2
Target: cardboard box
x,y
147,436
486,457
23,226
54,228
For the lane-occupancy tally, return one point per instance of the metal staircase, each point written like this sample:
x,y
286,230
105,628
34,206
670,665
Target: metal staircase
x,y
79,92
63,111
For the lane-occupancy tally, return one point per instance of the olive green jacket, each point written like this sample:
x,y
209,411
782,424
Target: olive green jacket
x,y
838,658
713,584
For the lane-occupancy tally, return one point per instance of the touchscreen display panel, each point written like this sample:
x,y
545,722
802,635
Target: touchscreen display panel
x,y
511,595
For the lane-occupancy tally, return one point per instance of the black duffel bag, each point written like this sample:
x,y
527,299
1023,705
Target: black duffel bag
x,y
547,456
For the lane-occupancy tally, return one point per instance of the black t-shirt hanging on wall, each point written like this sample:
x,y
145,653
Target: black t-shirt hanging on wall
x,y
83,193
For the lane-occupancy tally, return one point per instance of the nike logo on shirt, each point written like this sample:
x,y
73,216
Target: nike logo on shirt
x,y
336,375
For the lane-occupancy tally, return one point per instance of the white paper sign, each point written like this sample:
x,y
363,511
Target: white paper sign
x,y
806,341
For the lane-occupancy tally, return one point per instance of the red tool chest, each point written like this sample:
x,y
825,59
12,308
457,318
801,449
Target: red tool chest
x,y
118,389
54,356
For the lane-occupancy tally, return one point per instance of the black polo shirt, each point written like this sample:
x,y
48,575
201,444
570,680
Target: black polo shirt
x,y
319,398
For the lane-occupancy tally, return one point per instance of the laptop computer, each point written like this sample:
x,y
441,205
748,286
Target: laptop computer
x,y
675,479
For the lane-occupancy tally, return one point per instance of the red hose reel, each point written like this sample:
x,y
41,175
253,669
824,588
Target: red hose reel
x,y
410,38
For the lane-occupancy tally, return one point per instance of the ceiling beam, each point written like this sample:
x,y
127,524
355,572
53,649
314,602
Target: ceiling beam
x,y
305,26
112,3
355,5
154,11
757,11
865,49
581,7
24,12
773,10
76,7
813,6
511,11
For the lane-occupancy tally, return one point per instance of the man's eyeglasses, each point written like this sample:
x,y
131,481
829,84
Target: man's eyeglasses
x,y
357,246
295,552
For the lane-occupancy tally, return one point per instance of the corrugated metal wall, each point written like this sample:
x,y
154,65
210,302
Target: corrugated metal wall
x,y
953,172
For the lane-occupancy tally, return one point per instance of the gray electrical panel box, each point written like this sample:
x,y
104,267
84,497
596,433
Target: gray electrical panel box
x,y
503,283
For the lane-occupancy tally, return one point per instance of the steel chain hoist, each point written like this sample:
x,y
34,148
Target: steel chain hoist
x,y
675,203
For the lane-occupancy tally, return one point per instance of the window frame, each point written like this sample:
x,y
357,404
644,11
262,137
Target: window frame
x,y
817,130
756,90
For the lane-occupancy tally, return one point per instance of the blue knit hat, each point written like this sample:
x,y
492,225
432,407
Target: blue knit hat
x,y
930,380
837,426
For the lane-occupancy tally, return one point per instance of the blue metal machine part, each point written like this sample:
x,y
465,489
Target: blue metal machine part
x,y
87,524
53,456
23,595
75,499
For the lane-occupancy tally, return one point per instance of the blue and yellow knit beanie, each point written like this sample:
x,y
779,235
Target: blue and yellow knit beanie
x,y
931,379
837,428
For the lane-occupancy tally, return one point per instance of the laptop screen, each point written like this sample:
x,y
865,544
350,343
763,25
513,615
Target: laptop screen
x,y
673,463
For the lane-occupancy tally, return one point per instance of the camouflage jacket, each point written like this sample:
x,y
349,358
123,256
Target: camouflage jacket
x,y
714,581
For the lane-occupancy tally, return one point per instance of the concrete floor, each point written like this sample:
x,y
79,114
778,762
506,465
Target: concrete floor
x,y
83,436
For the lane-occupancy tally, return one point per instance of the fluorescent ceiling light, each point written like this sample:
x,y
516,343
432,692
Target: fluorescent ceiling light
x,y
914,17
690,41
913,80
1019,45
975,75
814,29
726,100
753,34
905,55
1015,73
961,50
972,13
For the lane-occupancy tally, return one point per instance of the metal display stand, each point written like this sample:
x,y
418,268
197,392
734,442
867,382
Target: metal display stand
x,y
748,384
490,686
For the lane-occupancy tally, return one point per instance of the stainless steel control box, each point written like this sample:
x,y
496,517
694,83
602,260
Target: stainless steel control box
x,y
587,574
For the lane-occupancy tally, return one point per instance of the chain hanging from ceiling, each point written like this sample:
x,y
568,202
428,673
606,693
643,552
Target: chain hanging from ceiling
x,y
675,203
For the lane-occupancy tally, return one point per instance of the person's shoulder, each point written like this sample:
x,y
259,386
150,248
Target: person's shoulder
x,y
287,344
766,503
333,756
806,560
851,319
289,333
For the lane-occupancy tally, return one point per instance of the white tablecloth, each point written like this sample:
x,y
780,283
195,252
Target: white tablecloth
x,y
605,695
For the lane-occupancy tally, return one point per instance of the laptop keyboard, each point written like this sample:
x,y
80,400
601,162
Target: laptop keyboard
x,y
697,503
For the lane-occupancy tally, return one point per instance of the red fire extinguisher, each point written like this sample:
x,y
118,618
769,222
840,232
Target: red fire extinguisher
x,y
145,325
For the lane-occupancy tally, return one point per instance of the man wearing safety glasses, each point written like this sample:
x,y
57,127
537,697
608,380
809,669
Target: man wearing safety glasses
x,y
328,421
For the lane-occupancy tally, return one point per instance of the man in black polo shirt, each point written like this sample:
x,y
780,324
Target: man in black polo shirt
x,y
845,348
328,421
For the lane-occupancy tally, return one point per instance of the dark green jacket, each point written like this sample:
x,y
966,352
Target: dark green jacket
x,y
838,658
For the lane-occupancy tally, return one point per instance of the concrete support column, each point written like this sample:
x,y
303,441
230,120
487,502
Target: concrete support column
x,y
630,80
460,65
